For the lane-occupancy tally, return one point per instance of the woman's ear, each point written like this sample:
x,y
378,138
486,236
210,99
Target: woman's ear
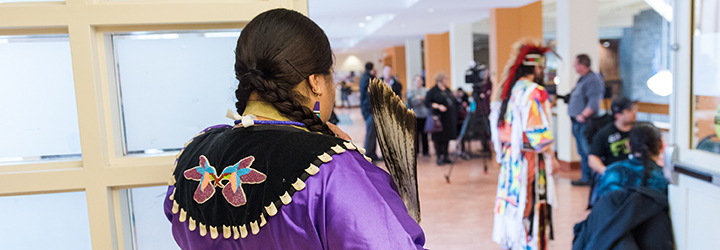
x,y
316,83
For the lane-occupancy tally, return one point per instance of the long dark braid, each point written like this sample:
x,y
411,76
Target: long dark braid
x,y
521,71
646,140
277,51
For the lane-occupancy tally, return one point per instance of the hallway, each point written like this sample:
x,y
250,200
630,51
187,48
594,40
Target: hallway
x,y
459,215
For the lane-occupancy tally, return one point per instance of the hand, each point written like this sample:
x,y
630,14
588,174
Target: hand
x,y
338,132
580,118
442,108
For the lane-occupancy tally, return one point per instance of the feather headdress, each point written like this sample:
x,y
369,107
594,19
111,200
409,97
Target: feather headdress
x,y
526,51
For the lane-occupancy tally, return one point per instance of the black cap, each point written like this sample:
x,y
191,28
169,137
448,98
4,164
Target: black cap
x,y
620,104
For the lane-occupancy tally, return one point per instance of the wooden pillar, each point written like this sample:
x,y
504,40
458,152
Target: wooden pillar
x,y
437,57
507,26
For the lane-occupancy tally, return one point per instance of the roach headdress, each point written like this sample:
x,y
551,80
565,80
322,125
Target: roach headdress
x,y
528,52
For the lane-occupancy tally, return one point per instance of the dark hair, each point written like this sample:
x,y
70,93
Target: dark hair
x,y
521,71
276,51
369,66
645,139
584,59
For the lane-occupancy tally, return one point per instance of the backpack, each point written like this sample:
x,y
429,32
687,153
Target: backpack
x,y
595,124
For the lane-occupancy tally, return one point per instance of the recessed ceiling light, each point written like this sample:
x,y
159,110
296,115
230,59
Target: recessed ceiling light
x,y
431,10
362,25
368,18
606,44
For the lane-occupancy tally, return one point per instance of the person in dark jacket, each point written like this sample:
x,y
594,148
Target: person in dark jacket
x,y
370,132
442,102
632,208
627,219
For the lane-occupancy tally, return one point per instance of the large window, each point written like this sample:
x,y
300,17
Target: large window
x,y
105,80
706,76
173,85
37,93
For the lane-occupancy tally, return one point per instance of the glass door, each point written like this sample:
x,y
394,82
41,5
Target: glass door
x,y
695,117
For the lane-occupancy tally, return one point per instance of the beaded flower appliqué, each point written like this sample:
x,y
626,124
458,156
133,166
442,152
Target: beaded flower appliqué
x,y
230,180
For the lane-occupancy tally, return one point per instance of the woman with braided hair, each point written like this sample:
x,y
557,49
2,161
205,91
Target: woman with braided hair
x,y
641,169
282,177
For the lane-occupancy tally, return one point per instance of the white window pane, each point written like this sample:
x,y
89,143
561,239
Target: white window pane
x,y
37,94
152,228
45,221
174,85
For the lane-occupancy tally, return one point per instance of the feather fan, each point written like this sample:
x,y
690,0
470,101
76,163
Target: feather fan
x,y
396,126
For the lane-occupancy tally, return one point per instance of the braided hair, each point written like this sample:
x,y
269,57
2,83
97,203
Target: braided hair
x,y
276,51
522,71
645,140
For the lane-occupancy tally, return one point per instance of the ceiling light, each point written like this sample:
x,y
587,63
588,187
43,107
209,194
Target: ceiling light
x,y
606,44
431,10
362,25
368,18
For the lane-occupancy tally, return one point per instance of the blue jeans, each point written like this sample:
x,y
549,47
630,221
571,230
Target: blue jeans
x,y
370,137
583,149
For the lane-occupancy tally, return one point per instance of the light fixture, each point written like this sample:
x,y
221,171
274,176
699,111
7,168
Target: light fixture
x,y
431,10
362,25
368,18
556,80
661,83
606,44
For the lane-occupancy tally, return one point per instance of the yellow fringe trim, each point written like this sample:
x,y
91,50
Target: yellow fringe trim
x,y
175,208
262,220
325,158
172,196
349,145
271,209
236,234
226,232
285,198
298,185
312,169
183,215
338,149
213,232
203,229
243,231
191,224
254,227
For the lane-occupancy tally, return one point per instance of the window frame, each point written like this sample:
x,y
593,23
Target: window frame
x,y
104,170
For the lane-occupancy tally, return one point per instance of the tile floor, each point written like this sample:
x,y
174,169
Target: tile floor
x,y
459,214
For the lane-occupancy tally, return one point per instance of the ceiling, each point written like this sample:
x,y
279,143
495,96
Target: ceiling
x,y
362,25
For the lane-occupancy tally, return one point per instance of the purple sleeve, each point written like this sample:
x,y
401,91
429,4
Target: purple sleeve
x,y
363,209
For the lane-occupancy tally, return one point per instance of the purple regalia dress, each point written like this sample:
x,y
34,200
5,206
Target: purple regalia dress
x,y
280,187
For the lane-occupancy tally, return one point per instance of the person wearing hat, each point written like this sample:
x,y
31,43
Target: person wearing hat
x,y
609,144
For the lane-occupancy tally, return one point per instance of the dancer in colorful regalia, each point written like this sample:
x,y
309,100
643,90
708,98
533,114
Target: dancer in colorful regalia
x,y
521,132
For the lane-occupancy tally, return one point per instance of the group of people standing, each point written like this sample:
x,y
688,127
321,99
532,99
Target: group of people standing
x,y
438,102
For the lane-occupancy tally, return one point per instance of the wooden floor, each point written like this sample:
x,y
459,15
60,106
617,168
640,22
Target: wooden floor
x,y
459,214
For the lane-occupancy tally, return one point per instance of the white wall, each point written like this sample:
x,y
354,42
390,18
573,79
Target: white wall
x,y
461,53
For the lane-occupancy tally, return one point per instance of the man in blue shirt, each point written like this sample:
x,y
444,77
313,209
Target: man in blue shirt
x,y
370,132
584,104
